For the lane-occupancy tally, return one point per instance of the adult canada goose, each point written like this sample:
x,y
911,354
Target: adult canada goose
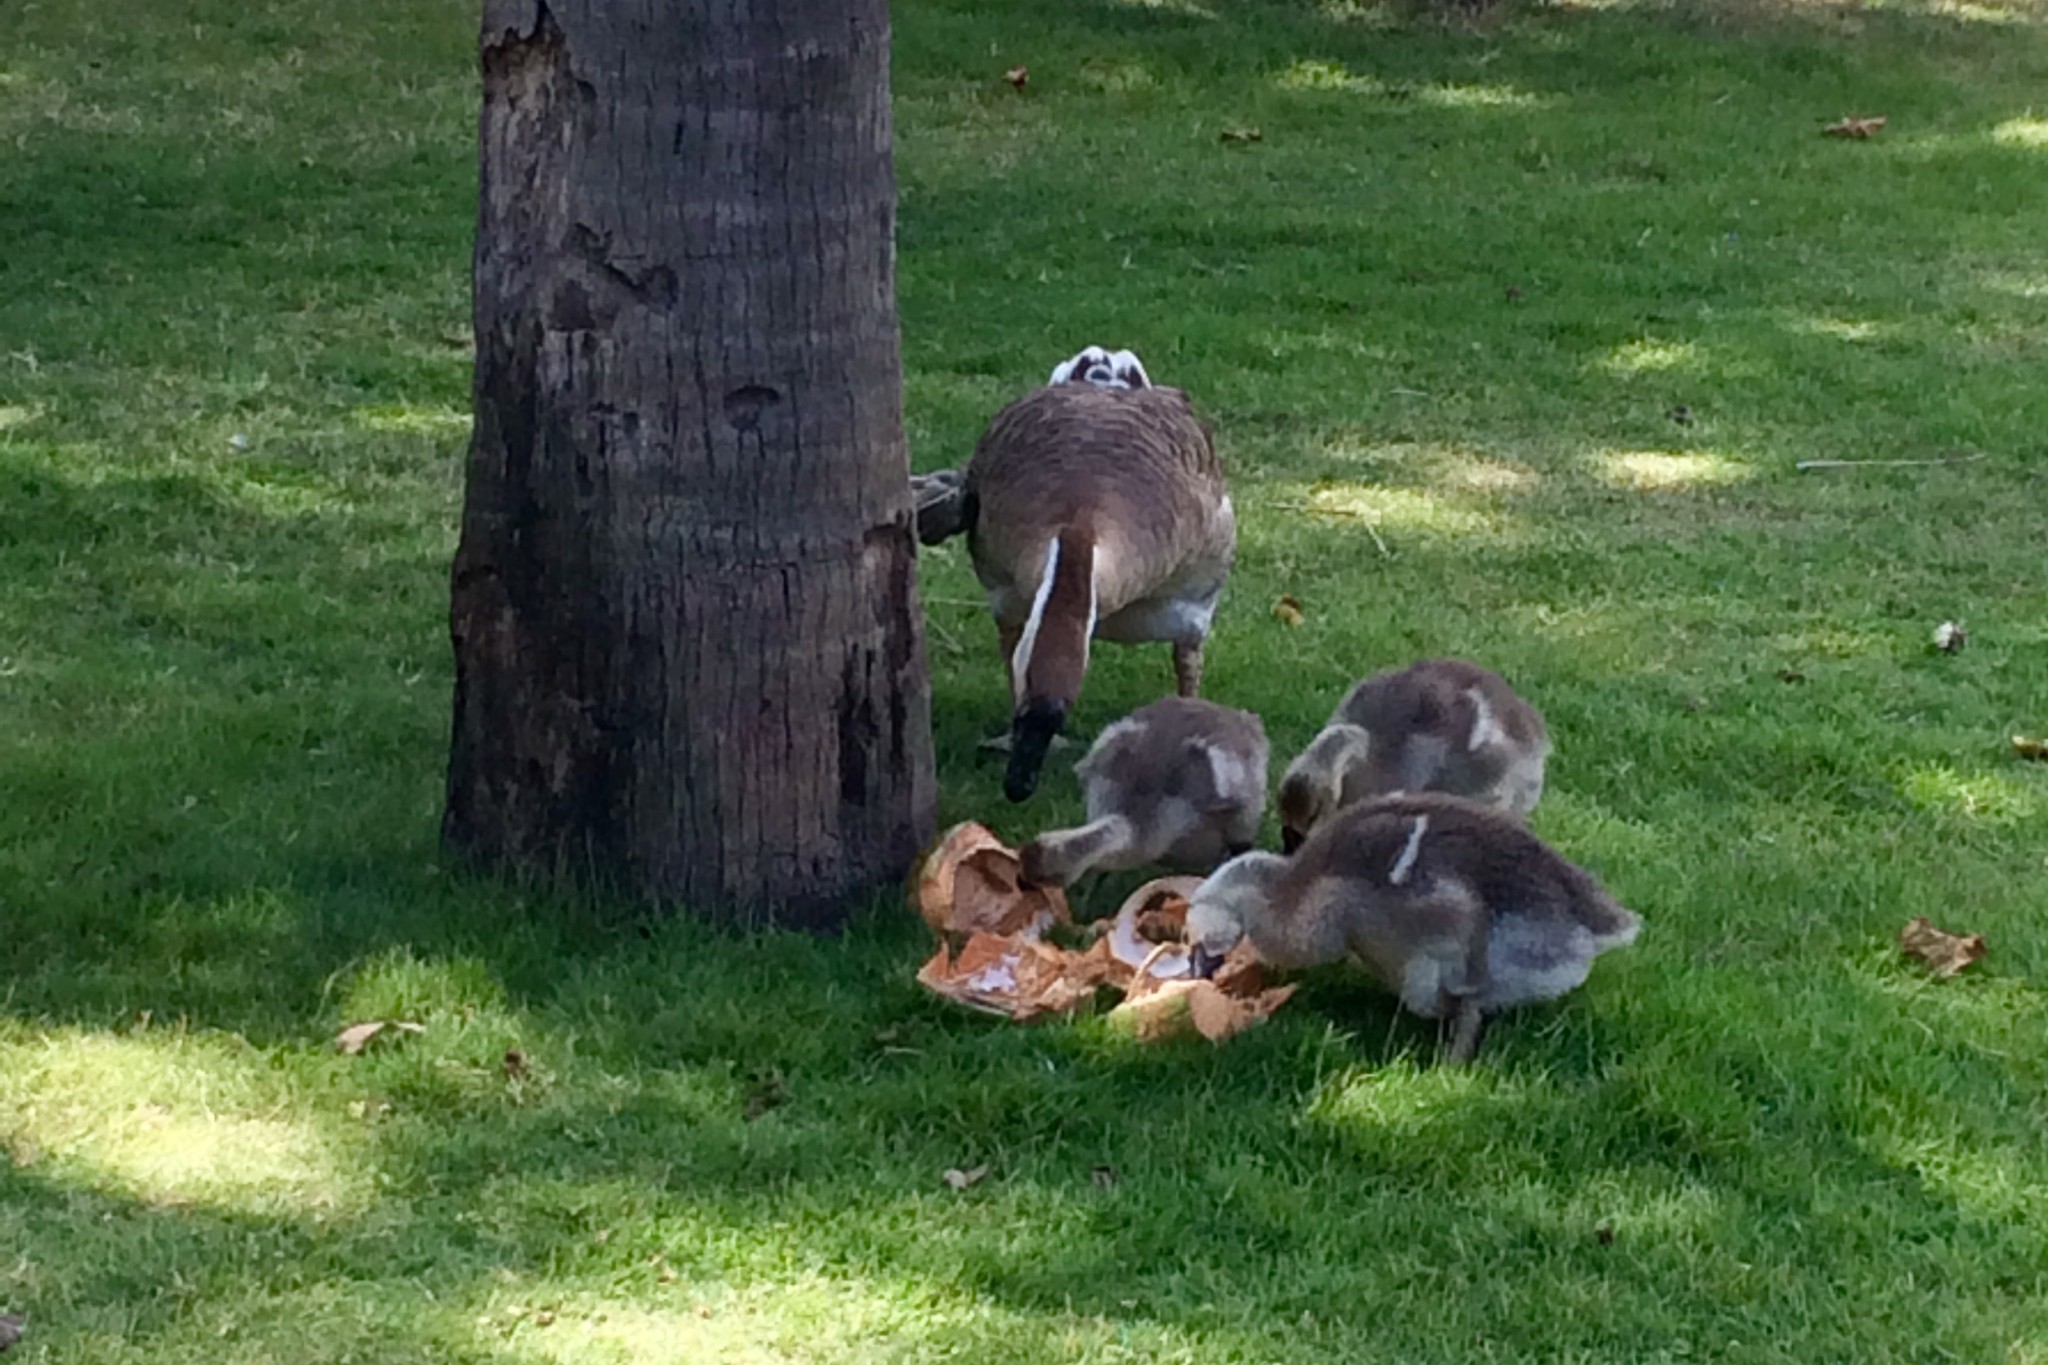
x,y
1456,907
1181,782
1438,725
1091,509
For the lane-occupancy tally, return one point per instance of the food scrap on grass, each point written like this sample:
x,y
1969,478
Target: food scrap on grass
x,y
1001,949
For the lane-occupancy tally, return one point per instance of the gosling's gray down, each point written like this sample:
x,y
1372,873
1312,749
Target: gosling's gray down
x,y
1455,907
1443,725
1181,783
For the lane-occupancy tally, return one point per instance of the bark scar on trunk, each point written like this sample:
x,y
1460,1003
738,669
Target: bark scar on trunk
x,y
517,21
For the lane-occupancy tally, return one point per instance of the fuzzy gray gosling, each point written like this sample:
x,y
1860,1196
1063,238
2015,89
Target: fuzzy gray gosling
x,y
1456,908
1181,782
1437,725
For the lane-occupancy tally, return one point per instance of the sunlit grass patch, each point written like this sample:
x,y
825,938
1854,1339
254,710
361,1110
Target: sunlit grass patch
x,y
1395,510
1849,329
414,419
2027,131
1940,789
1658,471
171,1118
1649,357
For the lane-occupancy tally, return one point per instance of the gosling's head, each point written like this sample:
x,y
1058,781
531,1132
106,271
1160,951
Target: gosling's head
x,y
1232,899
1313,788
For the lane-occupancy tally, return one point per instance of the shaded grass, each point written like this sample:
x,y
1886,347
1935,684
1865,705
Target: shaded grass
x,y
1441,314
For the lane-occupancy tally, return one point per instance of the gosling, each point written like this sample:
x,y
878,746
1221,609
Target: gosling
x,y
1455,907
1181,782
1438,725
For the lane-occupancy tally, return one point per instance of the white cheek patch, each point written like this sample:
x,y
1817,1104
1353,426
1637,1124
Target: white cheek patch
x,y
1485,729
1226,772
1103,369
1085,361
1130,372
1405,864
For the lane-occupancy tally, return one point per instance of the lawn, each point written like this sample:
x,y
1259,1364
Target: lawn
x,y
1513,331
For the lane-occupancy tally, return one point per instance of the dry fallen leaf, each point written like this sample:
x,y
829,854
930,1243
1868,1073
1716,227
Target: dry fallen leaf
x,y
1854,127
971,882
1240,135
1946,953
958,1179
2030,746
1018,76
1288,609
356,1037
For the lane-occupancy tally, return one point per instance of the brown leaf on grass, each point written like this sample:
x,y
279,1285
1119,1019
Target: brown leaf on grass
x,y
1240,135
1946,953
767,1092
1018,77
958,1179
971,883
2030,747
1854,127
1288,610
356,1037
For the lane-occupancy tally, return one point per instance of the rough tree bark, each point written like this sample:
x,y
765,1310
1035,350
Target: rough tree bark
x,y
689,658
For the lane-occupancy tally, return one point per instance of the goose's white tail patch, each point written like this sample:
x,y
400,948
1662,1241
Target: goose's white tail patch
x,y
1485,729
1405,864
1020,661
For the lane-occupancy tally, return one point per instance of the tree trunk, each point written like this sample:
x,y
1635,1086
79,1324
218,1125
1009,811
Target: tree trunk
x,y
689,660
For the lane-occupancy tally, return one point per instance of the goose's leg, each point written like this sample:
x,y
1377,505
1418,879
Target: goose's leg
x,y
1187,667
1006,637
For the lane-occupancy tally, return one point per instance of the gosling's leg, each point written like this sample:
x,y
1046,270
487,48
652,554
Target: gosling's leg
x,y
1466,1025
1187,667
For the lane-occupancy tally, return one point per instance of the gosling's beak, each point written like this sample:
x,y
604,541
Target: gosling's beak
x,y
1202,963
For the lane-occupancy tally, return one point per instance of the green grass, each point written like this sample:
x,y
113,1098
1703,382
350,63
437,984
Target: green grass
x,y
1449,300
